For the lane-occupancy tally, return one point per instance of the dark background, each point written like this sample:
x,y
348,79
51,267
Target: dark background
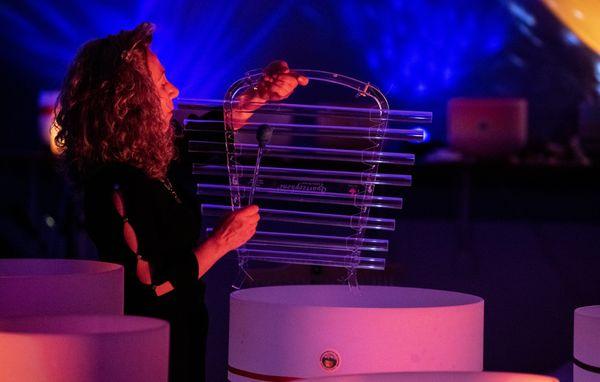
x,y
523,236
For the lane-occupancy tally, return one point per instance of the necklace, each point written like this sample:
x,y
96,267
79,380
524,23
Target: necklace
x,y
169,187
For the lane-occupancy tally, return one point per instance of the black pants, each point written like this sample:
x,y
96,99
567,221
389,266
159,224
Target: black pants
x,y
188,320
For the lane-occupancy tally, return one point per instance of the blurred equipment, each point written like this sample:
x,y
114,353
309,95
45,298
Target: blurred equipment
x,y
581,17
487,127
589,125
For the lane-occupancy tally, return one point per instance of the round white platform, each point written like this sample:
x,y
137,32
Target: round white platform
x,y
318,330
52,286
111,348
586,344
485,376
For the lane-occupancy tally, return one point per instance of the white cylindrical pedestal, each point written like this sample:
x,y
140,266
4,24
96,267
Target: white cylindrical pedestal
x,y
586,344
439,377
318,330
111,348
51,286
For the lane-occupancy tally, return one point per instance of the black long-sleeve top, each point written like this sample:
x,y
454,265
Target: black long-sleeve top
x,y
167,226
167,231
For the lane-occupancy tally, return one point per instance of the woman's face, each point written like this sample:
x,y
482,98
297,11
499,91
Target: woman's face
x,y
166,90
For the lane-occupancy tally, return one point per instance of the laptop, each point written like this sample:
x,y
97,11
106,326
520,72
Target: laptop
x,y
487,127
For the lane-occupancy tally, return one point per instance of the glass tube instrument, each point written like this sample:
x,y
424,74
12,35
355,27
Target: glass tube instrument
x,y
315,180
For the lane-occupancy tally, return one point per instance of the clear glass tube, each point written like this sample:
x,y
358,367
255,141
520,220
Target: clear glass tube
x,y
305,196
410,135
309,175
292,257
312,218
355,113
309,153
339,243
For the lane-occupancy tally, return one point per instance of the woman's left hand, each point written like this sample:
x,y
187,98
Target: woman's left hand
x,y
278,83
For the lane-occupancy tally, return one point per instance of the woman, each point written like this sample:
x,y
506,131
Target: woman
x,y
114,118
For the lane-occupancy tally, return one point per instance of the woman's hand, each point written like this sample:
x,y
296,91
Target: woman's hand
x,y
278,83
236,228
233,231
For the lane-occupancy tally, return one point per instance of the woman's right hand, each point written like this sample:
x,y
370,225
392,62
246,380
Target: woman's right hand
x,y
236,228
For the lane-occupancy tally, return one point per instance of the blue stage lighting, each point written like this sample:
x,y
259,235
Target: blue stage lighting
x,y
424,48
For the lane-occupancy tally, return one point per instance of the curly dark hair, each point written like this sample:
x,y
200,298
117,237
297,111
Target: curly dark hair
x,y
108,110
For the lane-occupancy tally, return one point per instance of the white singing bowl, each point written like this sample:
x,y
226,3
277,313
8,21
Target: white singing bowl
x,y
439,377
52,286
89,348
586,344
307,331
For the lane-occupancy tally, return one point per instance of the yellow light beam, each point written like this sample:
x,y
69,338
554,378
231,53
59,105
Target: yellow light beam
x,y
582,17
